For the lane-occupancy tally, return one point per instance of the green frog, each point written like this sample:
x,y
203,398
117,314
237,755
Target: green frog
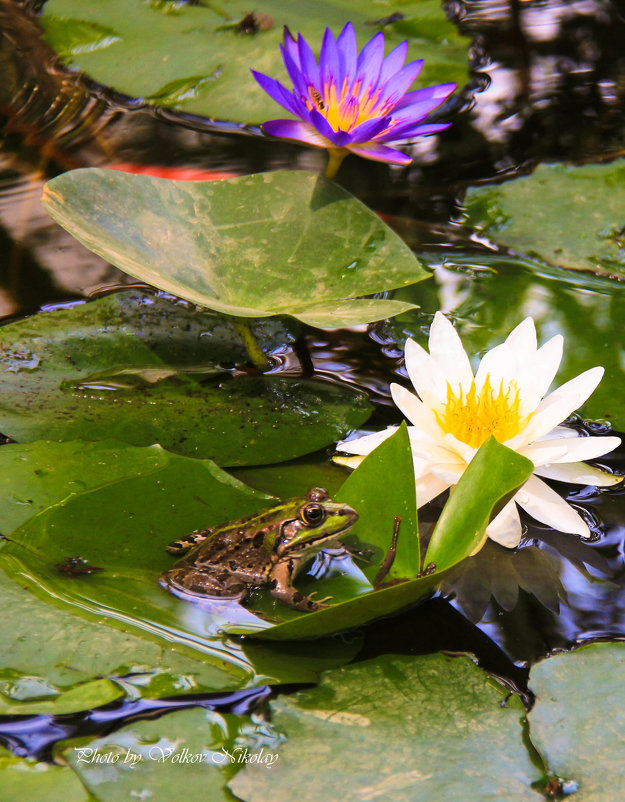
x,y
266,549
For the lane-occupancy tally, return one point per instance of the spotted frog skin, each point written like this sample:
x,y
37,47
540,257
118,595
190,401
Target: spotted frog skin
x,y
264,550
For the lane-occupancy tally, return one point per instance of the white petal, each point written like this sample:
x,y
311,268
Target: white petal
x,y
499,365
522,339
558,432
416,411
579,473
546,506
428,487
366,444
539,375
448,352
424,373
505,528
543,451
580,448
557,406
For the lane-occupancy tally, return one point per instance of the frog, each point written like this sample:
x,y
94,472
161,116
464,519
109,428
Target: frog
x,y
266,549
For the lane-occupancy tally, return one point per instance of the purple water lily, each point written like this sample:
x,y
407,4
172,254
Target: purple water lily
x,y
352,102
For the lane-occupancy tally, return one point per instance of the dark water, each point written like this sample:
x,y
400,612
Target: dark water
x,y
547,84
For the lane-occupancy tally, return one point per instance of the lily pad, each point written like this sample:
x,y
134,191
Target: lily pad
x,y
281,243
578,722
188,749
144,370
195,57
426,728
120,528
567,216
28,779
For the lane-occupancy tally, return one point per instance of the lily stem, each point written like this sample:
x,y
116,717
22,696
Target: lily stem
x,y
254,351
335,159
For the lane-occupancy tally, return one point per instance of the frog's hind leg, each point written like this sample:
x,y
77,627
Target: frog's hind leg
x,y
184,582
186,543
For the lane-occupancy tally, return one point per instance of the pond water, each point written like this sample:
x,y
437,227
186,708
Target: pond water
x,y
547,84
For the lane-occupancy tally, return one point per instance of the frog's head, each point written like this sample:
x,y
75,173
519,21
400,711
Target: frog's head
x,y
312,523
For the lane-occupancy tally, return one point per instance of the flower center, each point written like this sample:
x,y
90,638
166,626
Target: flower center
x,y
348,108
473,417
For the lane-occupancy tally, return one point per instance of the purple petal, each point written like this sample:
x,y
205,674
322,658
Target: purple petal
x,y
295,129
368,130
323,126
397,86
278,92
295,73
380,153
348,52
393,62
440,91
329,67
370,61
290,45
408,132
416,113
308,62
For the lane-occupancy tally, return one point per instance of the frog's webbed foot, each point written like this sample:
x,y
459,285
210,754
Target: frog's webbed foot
x,y
298,601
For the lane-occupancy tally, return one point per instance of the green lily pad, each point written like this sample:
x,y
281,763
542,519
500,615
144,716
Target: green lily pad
x,y
192,57
282,243
426,728
188,750
567,216
578,721
28,779
55,658
144,370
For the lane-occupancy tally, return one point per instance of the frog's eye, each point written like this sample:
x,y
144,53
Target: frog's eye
x,y
313,514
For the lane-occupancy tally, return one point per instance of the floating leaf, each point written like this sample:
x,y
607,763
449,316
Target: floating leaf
x,y
55,651
29,779
427,728
182,750
143,370
578,722
282,243
568,216
197,57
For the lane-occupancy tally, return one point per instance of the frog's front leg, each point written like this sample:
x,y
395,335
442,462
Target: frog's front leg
x,y
281,588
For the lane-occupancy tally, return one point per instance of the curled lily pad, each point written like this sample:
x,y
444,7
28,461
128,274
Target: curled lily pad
x,y
282,243
196,57
145,370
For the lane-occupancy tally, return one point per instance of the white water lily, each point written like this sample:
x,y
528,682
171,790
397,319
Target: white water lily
x,y
455,412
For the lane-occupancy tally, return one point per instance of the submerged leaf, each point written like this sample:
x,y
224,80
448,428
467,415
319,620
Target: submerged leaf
x,y
281,243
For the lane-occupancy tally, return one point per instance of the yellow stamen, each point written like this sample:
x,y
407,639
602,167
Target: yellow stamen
x,y
473,417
